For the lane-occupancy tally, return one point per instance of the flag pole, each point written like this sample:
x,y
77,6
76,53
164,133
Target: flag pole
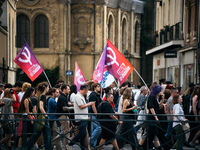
x,y
101,92
141,79
47,79
116,84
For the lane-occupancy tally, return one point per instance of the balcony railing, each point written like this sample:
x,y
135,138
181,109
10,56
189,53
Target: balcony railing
x,y
170,34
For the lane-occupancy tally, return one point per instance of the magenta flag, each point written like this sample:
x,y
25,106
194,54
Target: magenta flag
x,y
99,70
117,64
27,61
79,79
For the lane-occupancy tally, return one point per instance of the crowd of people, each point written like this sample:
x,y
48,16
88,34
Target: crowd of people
x,y
158,112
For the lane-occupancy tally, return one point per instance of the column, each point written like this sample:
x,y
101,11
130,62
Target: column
x,y
119,29
132,41
105,25
62,66
69,38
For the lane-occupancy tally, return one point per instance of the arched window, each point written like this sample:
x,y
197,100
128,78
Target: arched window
x,y
136,36
124,34
41,32
23,30
110,29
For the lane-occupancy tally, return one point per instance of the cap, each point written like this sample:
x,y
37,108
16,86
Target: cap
x,y
1,85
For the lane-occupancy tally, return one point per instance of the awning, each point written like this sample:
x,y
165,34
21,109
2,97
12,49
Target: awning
x,y
165,45
187,49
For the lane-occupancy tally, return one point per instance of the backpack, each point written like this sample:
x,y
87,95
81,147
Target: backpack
x,y
99,110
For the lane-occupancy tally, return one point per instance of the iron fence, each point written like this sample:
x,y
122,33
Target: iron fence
x,y
14,123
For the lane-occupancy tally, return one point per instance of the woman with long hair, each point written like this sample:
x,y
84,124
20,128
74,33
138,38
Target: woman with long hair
x,y
7,100
128,108
178,112
26,107
187,99
194,111
42,89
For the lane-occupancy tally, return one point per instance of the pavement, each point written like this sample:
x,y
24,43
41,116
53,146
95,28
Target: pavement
x,y
128,147
109,146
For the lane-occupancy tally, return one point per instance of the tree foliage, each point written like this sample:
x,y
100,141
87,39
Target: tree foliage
x,y
53,76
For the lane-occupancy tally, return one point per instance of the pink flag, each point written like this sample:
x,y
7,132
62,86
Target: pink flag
x,y
99,70
79,79
117,64
27,61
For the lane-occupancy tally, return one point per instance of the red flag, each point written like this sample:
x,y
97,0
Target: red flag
x,y
117,64
79,79
27,61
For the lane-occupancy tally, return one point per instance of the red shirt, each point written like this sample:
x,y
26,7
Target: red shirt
x,y
16,103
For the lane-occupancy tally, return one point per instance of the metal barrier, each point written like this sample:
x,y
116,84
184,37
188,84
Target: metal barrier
x,y
16,121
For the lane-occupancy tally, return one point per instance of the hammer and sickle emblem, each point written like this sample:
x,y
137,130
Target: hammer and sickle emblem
x,y
113,58
79,77
28,57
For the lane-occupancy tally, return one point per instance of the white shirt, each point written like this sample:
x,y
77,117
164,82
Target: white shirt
x,y
2,94
80,100
177,110
56,99
20,95
72,97
120,105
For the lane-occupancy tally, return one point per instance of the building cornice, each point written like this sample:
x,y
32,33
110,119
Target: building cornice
x,y
3,30
62,52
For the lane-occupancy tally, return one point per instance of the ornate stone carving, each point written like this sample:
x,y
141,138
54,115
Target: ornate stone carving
x,y
30,2
82,26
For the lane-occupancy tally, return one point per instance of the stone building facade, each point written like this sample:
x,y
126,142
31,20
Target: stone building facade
x,y
189,52
61,32
7,41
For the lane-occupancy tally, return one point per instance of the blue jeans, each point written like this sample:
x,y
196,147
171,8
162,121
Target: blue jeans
x,y
81,135
169,131
95,132
46,136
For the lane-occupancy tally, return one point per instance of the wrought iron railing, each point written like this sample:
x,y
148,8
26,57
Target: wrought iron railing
x,y
169,34
24,119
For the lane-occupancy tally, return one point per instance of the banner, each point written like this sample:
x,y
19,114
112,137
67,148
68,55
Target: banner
x,y
27,61
108,79
79,79
99,70
117,64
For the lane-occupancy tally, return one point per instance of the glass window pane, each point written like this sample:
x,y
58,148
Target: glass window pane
x,y
41,34
23,30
